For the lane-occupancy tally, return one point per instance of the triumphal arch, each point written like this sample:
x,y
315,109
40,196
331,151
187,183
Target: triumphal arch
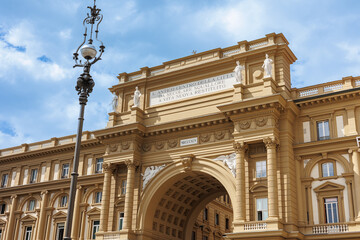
x,y
214,145
194,129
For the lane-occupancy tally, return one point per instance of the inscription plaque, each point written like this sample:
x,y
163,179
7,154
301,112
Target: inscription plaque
x,y
189,141
192,89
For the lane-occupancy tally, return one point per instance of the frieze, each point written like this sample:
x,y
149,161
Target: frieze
x,y
245,124
219,135
159,145
113,147
204,137
261,121
146,147
172,143
125,145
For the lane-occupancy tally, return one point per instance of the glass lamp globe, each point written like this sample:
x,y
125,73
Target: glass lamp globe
x,y
88,51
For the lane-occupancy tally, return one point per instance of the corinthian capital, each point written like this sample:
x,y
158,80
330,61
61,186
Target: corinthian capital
x,y
240,146
131,163
271,142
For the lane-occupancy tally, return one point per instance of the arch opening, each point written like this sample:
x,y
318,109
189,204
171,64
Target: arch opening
x,y
176,206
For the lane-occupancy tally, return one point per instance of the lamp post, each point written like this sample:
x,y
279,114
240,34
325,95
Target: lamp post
x,y
84,87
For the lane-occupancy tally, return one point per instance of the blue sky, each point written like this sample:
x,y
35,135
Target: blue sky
x,y
38,37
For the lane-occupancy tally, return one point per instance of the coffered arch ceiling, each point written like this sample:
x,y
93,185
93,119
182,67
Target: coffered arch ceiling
x,y
175,198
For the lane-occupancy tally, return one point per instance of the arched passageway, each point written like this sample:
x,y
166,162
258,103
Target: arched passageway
x,y
175,197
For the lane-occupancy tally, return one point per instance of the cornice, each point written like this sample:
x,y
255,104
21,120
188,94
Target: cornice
x,y
347,94
47,151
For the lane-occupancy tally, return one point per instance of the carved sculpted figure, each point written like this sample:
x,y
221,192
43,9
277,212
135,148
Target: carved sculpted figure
x,y
150,172
229,161
267,66
237,72
137,95
114,102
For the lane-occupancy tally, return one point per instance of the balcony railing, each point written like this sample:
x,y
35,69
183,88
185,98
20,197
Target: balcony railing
x,y
326,229
255,226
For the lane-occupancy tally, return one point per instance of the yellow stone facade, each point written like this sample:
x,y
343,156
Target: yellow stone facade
x,y
286,158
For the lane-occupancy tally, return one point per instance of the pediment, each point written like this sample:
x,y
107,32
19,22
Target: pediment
x,y
94,211
258,188
28,218
60,214
329,186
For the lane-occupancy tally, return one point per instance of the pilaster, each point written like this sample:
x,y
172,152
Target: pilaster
x,y
42,218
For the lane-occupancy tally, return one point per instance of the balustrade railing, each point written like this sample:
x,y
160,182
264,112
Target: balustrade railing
x,y
325,229
255,226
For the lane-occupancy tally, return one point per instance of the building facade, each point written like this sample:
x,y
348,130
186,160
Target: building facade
x,y
225,122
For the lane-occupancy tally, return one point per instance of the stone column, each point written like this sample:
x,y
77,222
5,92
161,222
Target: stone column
x,y
42,217
129,196
356,168
104,214
11,222
240,148
273,205
299,192
76,223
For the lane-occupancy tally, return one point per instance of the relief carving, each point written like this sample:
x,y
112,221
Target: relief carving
x,y
229,161
159,145
113,147
125,145
245,124
149,173
219,135
172,143
205,137
261,121
146,147
187,162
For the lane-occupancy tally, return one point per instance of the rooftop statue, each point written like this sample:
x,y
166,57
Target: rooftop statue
x,y
237,71
137,95
267,66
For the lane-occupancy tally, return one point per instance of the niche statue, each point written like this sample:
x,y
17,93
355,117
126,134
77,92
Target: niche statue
x,y
237,71
137,95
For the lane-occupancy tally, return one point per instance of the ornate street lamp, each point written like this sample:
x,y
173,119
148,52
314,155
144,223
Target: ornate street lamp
x,y
84,87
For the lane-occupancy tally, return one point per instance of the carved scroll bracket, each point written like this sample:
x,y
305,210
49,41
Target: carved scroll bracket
x,y
186,161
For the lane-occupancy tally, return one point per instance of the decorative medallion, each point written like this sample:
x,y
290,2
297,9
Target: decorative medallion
x,y
261,121
113,147
172,143
245,124
204,137
219,135
125,145
146,147
159,145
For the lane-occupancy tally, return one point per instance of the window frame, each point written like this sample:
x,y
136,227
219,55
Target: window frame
x,y
329,206
4,183
63,176
206,214
94,228
318,130
123,187
262,210
26,236
98,163
61,201
96,195
217,219
31,208
2,208
121,220
261,169
31,179
320,165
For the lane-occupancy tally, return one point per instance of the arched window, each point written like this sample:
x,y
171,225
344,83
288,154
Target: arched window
x,y
63,201
32,204
327,169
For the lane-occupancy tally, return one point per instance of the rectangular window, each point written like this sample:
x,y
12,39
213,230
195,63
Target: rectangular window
x,y
331,210
323,130
262,209
65,170
99,165
216,219
0,233
306,130
31,205
193,235
60,231
4,180
98,196
121,221
123,187
95,228
63,201
340,126
205,237
327,169
2,209
226,223
205,217
28,231
260,169
33,175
